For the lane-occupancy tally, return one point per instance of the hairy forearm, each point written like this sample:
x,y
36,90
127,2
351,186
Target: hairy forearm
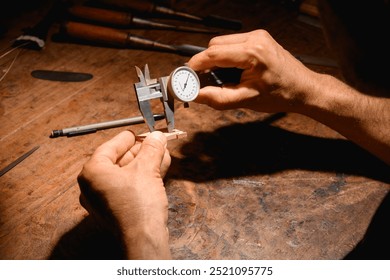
x,y
361,118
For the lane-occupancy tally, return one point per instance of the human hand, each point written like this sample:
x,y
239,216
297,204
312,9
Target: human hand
x,y
122,187
272,80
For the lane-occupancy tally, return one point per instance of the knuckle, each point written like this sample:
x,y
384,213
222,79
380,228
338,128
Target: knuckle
x,y
212,51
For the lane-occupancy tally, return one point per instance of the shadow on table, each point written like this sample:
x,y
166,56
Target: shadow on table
x,y
376,243
87,242
250,149
258,148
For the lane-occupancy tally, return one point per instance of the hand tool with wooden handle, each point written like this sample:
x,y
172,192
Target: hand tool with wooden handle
x,y
147,6
126,20
119,38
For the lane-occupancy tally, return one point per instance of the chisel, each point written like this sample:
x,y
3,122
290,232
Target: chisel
x,y
119,38
126,20
147,6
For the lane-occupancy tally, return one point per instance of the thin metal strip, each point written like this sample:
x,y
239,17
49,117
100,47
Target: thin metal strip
x,y
17,161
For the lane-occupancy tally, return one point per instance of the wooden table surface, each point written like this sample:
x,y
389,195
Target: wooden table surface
x,y
242,185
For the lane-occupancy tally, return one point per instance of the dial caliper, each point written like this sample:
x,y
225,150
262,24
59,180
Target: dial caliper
x,y
182,84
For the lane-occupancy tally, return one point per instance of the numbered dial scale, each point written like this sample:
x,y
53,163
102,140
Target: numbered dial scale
x,y
183,84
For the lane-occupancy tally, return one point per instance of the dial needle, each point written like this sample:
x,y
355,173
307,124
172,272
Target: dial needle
x,y
185,84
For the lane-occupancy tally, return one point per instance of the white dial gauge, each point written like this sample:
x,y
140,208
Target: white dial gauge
x,y
184,84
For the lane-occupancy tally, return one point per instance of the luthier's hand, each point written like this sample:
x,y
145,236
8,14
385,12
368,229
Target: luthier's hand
x,y
273,80
269,82
121,186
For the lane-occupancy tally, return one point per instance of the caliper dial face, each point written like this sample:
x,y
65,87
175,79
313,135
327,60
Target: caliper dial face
x,y
184,84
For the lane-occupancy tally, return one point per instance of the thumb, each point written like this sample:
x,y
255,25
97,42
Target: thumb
x,y
220,98
152,150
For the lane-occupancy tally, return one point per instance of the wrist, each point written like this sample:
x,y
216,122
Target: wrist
x,y
147,243
317,96
303,94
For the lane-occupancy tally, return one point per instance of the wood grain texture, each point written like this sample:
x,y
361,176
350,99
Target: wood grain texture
x,y
242,185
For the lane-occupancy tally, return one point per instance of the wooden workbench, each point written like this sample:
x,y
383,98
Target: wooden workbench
x,y
242,185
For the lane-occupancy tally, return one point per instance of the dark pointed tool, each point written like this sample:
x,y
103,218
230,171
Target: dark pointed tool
x,y
119,38
126,20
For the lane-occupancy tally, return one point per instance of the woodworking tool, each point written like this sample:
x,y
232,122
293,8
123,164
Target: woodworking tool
x,y
148,7
119,38
126,20
17,161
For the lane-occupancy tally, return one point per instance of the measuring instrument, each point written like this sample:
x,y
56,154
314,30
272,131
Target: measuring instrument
x,y
182,84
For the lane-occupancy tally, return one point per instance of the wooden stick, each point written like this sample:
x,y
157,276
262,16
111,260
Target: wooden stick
x,y
175,134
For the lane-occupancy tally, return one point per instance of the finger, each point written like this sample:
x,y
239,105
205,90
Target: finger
x,y
135,149
115,148
129,155
222,98
233,55
152,150
229,39
166,162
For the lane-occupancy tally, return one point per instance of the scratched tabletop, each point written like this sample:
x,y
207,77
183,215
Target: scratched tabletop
x,y
242,184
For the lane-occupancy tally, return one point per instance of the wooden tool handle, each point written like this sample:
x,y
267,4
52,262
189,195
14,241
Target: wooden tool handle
x,y
111,36
143,6
101,15
96,33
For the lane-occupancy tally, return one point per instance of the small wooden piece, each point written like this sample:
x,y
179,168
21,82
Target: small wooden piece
x,y
175,134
